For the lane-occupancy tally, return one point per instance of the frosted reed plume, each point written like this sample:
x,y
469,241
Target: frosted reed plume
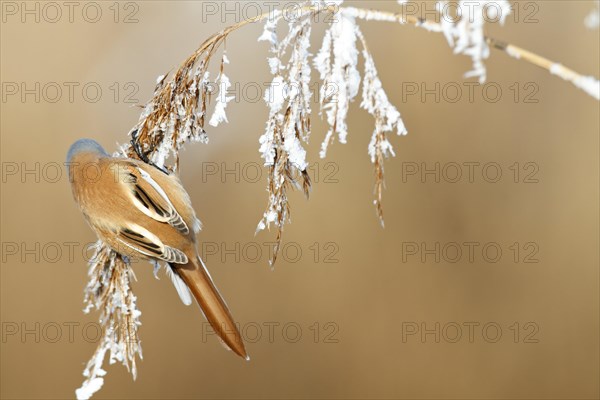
x,y
109,292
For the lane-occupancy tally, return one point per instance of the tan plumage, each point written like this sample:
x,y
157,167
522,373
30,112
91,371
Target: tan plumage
x,y
140,211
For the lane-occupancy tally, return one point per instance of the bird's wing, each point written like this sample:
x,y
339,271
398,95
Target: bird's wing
x,y
141,240
150,198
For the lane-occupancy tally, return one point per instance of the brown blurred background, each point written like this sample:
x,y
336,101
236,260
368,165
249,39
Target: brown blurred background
x,y
345,318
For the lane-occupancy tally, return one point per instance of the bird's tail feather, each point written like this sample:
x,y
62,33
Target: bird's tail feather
x,y
197,278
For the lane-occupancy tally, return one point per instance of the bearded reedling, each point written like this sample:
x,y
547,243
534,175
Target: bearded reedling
x,y
139,210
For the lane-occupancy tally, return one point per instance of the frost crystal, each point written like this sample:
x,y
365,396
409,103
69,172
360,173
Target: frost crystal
x,y
340,76
275,94
268,34
467,36
222,100
588,84
592,20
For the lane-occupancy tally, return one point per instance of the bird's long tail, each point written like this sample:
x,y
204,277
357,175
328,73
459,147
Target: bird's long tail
x,y
197,278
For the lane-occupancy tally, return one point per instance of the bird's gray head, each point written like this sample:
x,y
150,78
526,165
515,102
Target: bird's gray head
x,y
85,145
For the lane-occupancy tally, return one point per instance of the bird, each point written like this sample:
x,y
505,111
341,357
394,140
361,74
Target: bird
x,y
142,211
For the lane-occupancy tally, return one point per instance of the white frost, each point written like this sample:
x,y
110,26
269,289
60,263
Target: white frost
x,y
268,34
219,114
466,36
592,20
375,101
341,79
88,389
588,84
275,94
